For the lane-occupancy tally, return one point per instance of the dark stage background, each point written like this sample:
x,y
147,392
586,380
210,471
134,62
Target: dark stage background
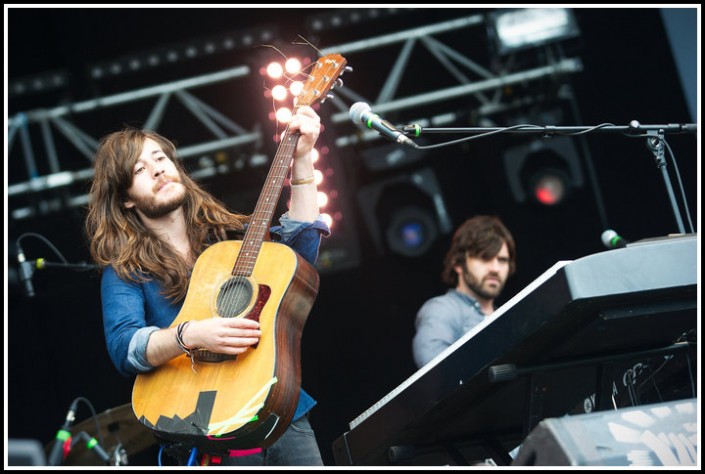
x,y
356,344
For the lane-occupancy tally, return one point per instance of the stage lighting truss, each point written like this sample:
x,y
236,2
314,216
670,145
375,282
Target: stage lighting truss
x,y
480,85
49,171
182,52
346,17
38,83
469,74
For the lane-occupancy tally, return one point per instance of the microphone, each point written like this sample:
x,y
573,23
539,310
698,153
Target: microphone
x,y
613,240
56,456
361,113
26,272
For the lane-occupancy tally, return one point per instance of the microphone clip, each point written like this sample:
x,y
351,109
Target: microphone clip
x,y
411,130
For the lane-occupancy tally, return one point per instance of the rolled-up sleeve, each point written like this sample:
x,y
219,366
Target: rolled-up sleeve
x,y
303,237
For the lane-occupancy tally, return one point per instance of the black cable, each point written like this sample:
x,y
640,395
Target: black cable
x,y
652,377
690,374
45,240
680,185
547,129
658,392
94,416
686,208
474,137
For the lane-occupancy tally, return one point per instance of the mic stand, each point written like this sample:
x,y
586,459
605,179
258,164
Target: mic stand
x,y
654,133
58,449
40,264
28,267
654,142
415,130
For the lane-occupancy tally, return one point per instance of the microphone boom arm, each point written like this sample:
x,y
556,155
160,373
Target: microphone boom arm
x,y
654,133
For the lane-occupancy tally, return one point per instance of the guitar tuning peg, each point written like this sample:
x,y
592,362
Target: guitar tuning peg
x,y
349,68
339,82
328,96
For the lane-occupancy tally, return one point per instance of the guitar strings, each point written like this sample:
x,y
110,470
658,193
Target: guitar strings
x,y
244,264
249,252
277,174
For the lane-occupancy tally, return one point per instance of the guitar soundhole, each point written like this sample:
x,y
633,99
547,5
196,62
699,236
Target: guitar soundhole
x,y
234,297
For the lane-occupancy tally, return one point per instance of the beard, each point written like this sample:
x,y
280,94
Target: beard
x,y
478,288
154,209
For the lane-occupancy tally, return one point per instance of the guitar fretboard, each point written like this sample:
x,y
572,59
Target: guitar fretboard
x,y
325,71
266,204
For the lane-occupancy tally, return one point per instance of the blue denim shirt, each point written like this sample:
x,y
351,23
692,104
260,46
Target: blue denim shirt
x,y
441,321
132,311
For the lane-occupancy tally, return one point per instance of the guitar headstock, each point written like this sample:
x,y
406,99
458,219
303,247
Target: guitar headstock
x,y
321,79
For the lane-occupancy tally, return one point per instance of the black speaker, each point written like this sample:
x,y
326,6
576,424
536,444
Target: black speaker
x,y
664,434
25,452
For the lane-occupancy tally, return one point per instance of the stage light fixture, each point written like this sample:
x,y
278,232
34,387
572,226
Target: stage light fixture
x,y
411,231
293,66
183,51
283,114
327,219
296,87
515,30
543,171
38,83
274,70
549,186
317,176
405,214
279,92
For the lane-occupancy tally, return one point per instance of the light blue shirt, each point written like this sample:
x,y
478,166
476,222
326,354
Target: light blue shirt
x,y
441,321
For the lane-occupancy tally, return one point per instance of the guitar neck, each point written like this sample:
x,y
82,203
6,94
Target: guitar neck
x,y
266,204
321,79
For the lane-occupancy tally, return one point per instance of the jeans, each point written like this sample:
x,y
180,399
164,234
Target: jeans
x,y
296,447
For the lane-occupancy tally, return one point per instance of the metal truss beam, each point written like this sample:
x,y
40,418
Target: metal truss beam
x,y
483,83
58,120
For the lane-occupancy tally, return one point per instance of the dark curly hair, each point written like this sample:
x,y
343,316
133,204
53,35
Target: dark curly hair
x,y
481,237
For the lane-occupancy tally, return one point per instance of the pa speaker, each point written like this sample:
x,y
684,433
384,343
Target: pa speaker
x,y
25,452
662,434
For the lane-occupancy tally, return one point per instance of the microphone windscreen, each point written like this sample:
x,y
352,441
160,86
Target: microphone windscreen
x,y
356,111
607,237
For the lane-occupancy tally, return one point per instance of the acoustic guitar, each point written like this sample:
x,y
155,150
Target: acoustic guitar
x,y
216,402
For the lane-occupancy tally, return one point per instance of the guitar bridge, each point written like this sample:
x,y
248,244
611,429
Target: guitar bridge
x,y
203,355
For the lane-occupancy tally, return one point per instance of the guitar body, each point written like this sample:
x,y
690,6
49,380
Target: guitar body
x,y
226,402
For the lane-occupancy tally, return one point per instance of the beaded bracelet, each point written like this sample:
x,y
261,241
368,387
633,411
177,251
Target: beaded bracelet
x,y
296,182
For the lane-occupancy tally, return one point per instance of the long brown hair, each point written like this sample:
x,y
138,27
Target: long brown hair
x,y
118,237
481,237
